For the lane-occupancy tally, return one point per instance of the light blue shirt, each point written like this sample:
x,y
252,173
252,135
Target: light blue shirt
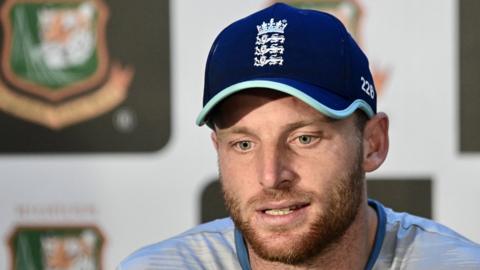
x,y
402,241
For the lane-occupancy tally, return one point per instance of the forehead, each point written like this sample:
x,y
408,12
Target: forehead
x,y
263,105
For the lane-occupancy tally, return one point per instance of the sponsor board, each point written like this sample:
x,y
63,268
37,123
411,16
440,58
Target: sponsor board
x,y
76,78
56,248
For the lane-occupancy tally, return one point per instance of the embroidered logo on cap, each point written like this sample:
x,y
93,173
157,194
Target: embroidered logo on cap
x,y
269,45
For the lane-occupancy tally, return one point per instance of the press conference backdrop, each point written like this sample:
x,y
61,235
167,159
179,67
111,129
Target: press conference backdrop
x,y
99,148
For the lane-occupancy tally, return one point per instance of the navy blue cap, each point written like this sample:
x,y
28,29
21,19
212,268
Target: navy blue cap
x,y
305,53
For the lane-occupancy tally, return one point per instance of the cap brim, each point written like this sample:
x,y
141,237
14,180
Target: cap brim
x,y
322,100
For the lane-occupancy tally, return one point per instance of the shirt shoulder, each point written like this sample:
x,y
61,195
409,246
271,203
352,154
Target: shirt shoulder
x,y
207,246
412,242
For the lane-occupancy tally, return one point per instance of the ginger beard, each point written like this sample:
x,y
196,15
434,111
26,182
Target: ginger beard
x,y
337,214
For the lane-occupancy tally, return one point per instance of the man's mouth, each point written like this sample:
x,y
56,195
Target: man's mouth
x,y
277,211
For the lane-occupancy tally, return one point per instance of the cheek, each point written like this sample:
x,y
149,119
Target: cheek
x,y
315,174
236,175
319,169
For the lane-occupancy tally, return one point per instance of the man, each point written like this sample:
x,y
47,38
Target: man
x,y
292,105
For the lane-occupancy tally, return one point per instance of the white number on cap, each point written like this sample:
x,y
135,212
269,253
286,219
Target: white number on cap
x,y
367,87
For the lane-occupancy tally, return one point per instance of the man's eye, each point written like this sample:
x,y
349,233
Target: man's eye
x,y
244,145
305,139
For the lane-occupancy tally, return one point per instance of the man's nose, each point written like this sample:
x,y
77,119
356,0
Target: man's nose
x,y
275,168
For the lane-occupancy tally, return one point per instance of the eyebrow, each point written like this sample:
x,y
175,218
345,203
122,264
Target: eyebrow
x,y
300,124
288,127
236,130
296,125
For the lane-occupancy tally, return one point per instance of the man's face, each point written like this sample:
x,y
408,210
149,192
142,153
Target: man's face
x,y
292,178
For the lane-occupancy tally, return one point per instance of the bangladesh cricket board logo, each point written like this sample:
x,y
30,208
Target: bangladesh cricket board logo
x,y
55,62
56,248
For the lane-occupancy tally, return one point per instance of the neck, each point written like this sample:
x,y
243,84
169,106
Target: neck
x,y
357,242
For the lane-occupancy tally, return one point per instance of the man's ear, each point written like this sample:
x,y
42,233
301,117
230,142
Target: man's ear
x,y
213,136
375,142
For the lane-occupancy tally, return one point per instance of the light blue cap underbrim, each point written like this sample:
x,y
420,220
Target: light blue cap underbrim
x,y
336,114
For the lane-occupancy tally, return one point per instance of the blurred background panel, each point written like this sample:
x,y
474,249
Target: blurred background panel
x,y
469,42
404,195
